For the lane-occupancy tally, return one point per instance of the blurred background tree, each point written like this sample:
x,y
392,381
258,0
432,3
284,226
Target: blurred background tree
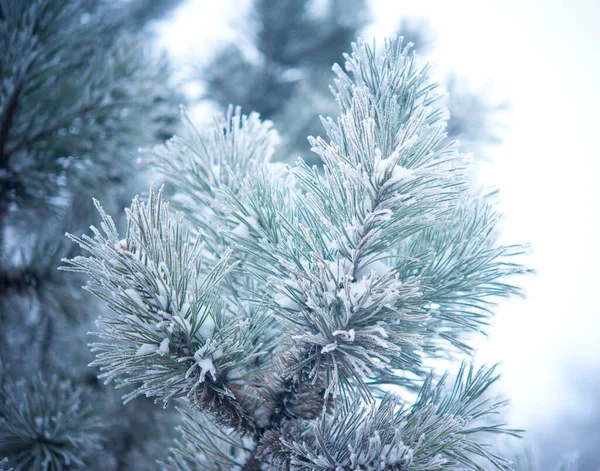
x,y
280,66
80,90
283,58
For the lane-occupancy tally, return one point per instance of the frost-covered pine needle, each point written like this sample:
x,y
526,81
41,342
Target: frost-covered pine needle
x,y
282,298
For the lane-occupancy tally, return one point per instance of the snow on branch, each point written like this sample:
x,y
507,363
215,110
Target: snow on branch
x,y
291,295
444,429
172,335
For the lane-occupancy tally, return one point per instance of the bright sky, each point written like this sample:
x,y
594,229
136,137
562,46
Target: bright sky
x,y
541,56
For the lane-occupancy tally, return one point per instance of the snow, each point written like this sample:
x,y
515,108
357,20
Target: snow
x,y
400,173
352,229
201,351
121,245
329,347
204,360
184,309
388,170
380,330
164,346
146,349
206,366
243,228
135,297
345,335
285,302
252,222
376,267
338,267
359,288
333,245
162,296
384,214
207,328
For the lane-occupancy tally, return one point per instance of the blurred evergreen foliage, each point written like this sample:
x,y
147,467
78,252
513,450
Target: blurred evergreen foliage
x,y
280,66
80,89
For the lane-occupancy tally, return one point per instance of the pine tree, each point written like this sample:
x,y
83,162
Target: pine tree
x,y
79,92
284,301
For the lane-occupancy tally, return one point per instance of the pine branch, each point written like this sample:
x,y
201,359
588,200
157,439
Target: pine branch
x,y
442,430
172,336
208,447
17,280
44,133
295,294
